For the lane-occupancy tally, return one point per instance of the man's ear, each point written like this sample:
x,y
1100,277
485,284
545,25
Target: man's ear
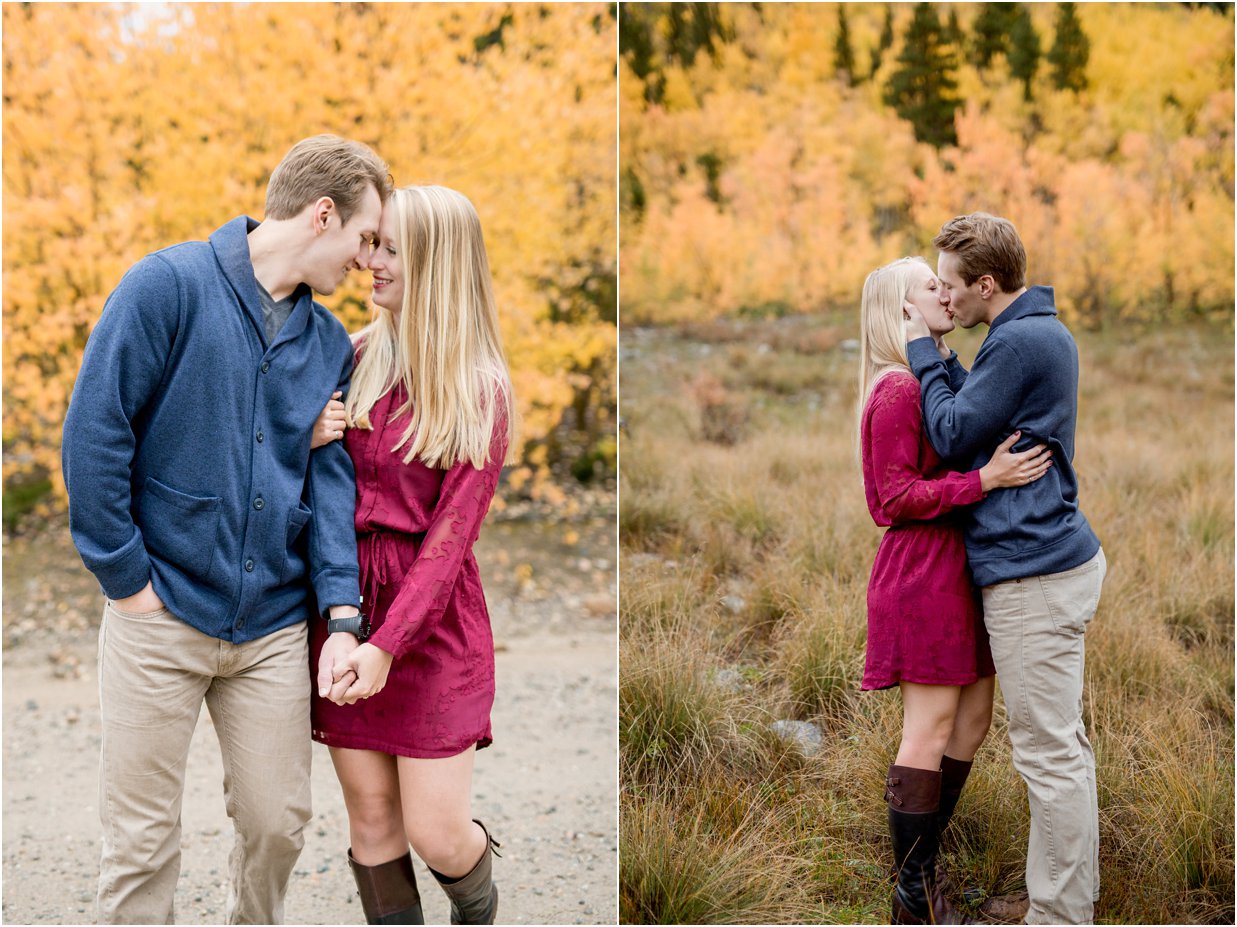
x,y
324,209
987,286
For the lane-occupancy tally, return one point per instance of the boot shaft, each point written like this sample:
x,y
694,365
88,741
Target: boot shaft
x,y
474,897
388,891
913,796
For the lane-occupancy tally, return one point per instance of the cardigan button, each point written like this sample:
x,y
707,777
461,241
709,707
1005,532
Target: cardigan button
x,y
248,566
258,503
266,365
261,437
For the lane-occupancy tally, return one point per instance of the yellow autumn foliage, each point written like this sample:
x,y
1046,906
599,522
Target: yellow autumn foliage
x,y
768,185
129,127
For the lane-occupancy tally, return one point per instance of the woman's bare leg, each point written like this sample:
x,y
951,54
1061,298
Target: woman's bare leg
x,y
928,714
436,796
973,719
371,794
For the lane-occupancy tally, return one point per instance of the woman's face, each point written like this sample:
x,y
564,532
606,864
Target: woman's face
x,y
925,295
386,266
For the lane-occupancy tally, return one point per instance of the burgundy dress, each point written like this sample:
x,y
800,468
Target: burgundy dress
x,y
925,616
415,530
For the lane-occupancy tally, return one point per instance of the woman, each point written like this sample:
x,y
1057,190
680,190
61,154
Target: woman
x,y
404,712
925,624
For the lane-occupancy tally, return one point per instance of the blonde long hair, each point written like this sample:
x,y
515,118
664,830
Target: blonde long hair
x,y
882,336
445,346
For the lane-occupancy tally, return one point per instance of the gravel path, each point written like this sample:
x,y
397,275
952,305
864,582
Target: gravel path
x,y
547,788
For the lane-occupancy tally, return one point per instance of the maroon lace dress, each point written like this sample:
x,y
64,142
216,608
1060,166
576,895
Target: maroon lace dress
x,y
925,616
421,588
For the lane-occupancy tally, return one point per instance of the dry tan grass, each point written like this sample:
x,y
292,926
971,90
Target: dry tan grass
x,y
748,562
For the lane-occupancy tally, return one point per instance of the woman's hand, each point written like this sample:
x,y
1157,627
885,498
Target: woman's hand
x,y
1007,469
331,422
371,665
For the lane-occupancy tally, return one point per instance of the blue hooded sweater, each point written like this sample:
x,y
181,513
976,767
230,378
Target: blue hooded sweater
x,y
187,446
1025,378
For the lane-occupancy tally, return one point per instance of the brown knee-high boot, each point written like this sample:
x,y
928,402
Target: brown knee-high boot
x,y
474,897
914,797
388,891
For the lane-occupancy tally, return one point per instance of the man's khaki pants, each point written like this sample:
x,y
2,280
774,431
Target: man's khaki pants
x,y
154,671
1036,627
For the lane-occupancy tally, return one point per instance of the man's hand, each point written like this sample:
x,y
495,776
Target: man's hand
x,y
916,325
142,603
943,348
334,674
371,665
330,423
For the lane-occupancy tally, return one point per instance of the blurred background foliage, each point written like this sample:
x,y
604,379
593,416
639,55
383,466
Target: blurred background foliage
x,y
773,154
129,127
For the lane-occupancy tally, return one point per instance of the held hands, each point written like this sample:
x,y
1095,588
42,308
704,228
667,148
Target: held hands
x,y
370,665
1007,469
331,422
334,674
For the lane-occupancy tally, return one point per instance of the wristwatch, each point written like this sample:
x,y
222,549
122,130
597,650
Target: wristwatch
x,y
357,624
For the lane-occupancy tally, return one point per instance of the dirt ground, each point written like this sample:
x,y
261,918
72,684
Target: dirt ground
x,y
547,788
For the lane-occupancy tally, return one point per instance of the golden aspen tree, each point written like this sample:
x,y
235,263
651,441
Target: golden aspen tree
x,y
130,127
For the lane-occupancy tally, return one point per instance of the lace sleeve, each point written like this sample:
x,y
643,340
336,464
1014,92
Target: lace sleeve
x,y
426,588
903,492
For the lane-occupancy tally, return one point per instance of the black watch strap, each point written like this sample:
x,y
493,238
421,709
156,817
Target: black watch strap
x,y
356,624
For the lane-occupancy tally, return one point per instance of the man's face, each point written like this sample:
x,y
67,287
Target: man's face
x,y
963,303
345,246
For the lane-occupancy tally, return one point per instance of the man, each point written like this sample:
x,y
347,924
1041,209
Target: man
x,y
195,501
1031,550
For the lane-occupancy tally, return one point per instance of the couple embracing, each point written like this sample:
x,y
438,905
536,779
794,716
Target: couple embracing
x,y
988,567
233,527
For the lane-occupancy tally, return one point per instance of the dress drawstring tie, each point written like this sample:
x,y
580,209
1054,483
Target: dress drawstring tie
x,y
379,561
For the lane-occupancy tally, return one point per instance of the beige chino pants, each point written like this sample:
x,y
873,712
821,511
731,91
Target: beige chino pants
x,y
1036,627
154,672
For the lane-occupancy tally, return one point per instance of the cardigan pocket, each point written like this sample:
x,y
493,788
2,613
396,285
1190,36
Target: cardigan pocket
x,y
179,528
294,553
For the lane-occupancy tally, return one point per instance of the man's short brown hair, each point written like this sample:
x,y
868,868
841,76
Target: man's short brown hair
x,y
985,244
325,165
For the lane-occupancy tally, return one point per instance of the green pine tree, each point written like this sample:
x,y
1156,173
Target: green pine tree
x,y
1024,50
953,29
992,29
1070,51
636,30
693,28
922,89
886,40
843,53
